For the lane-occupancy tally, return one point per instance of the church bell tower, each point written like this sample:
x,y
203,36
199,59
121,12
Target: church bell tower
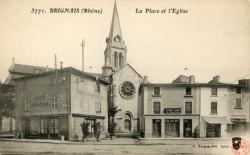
x,y
116,51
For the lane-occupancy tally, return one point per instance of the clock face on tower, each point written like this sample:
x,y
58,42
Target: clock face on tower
x,y
127,90
117,38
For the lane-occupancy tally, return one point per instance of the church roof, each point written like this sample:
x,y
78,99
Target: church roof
x,y
131,68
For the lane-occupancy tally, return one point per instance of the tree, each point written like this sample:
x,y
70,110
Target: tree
x,y
7,99
97,130
85,129
112,125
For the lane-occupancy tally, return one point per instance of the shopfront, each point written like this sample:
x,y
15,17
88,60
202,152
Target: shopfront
x,y
214,126
170,126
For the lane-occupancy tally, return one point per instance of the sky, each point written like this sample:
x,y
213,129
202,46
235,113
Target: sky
x,y
212,38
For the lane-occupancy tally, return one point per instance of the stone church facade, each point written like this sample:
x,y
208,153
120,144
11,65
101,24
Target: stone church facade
x,y
124,79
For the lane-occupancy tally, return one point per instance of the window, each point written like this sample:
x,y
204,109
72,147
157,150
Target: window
x,y
189,91
54,103
188,107
156,107
54,126
214,91
120,60
91,125
26,105
229,128
98,107
113,89
238,104
43,125
115,59
213,107
157,91
86,105
238,90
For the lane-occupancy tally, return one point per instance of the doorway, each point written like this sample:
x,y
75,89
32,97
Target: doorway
x,y
26,127
127,122
172,127
187,128
213,130
156,128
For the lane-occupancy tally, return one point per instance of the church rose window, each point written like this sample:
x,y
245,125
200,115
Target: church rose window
x,y
127,90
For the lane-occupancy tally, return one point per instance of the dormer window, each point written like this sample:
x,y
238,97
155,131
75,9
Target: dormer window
x,y
238,90
38,71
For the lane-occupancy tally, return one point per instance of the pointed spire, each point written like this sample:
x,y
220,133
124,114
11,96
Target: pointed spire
x,y
115,34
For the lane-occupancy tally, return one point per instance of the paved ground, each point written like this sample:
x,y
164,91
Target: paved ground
x,y
117,146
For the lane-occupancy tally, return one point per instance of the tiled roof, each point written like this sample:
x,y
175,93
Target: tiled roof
x,y
20,70
67,69
27,69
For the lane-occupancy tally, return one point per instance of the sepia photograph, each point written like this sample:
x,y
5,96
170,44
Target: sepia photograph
x,y
103,77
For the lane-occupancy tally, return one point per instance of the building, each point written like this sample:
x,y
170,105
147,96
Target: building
x,y
239,108
54,104
170,109
125,80
185,108
17,71
217,101
7,115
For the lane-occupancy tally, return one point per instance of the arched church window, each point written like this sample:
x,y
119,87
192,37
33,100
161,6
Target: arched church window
x,y
127,122
120,60
115,58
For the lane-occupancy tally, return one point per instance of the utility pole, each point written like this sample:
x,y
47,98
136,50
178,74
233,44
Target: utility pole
x,y
83,45
56,69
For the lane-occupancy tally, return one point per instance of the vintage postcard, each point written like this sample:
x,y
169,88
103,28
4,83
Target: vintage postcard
x,y
124,77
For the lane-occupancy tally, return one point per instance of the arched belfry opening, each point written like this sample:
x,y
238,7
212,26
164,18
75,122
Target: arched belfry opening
x,y
120,60
116,59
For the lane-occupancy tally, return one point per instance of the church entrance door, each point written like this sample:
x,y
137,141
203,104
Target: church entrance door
x,y
127,122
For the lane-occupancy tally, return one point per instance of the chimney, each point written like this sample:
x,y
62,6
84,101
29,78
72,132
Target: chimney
x,y
216,78
145,79
55,62
61,65
192,79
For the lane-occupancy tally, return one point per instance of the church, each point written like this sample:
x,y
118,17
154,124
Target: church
x,y
125,80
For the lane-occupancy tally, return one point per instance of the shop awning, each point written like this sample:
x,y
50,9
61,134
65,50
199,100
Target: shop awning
x,y
215,120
